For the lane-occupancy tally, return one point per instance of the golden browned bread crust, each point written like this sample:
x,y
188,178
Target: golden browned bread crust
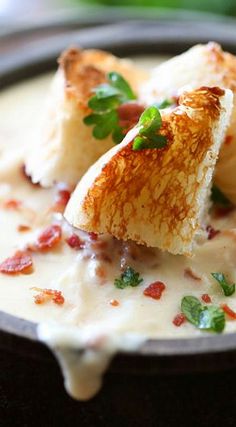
x,y
206,65
156,196
66,146
85,69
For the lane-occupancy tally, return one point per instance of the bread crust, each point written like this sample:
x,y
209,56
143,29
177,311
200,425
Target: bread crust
x,y
206,65
157,197
66,147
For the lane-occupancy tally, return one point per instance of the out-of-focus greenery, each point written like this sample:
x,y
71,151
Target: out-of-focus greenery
x,y
227,7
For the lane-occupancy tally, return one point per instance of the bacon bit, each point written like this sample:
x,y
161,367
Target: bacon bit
x,y
48,239
179,319
189,273
99,245
21,262
100,272
211,232
228,311
75,242
103,257
221,211
22,228
63,197
129,114
228,139
48,295
175,99
28,177
206,298
93,236
154,290
12,204
114,303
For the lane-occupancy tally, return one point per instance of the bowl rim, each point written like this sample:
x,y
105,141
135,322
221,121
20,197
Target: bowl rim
x,y
137,37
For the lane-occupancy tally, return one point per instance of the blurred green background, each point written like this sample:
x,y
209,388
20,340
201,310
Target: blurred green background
x,y
226,7
33,11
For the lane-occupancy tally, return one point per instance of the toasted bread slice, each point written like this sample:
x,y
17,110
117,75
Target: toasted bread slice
x,y
157,197
202,65
66,146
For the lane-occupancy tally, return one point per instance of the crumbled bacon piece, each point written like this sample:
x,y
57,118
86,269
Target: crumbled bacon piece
x,y
179,319
62,199
228,139
222,211
206,298
229,311
45,295
75,242
22,228
93,236
103,256
19,263
175,99
48,239
99,245
211,232
114,303
100,272
129,114
154,290
189,273
12,204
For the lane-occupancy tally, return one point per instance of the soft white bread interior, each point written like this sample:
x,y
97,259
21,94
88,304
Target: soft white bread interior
x,y
157,197
66,147
202,65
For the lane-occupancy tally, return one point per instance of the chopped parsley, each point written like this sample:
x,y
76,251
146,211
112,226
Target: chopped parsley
x,y
129,277
219,198
150,123
210,318
108,97
227,288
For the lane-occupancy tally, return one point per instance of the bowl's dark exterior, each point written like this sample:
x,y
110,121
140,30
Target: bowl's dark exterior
x,y
32,394
167,383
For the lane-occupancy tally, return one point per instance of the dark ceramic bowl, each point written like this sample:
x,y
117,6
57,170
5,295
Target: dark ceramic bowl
x,y
167,383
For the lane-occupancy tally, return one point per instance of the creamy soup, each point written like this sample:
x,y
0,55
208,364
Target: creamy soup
x,y
89,318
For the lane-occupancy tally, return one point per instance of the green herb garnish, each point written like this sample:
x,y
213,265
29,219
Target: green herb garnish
x,y
129,277
108,97
209,318
219,198
227,288
150,122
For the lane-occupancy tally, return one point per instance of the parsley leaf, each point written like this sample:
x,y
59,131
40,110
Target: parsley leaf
x,y
118,82
129,277
150,122
219,198
108,97
227,288
210,318
191,307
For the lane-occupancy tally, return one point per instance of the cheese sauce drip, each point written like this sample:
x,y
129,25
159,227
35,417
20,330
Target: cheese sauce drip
x,y
96,318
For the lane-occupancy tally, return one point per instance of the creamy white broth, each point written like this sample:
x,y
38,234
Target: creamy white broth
x,y
88,308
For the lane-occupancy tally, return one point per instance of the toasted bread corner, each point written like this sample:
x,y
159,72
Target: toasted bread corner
x,y
66,146
157,197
